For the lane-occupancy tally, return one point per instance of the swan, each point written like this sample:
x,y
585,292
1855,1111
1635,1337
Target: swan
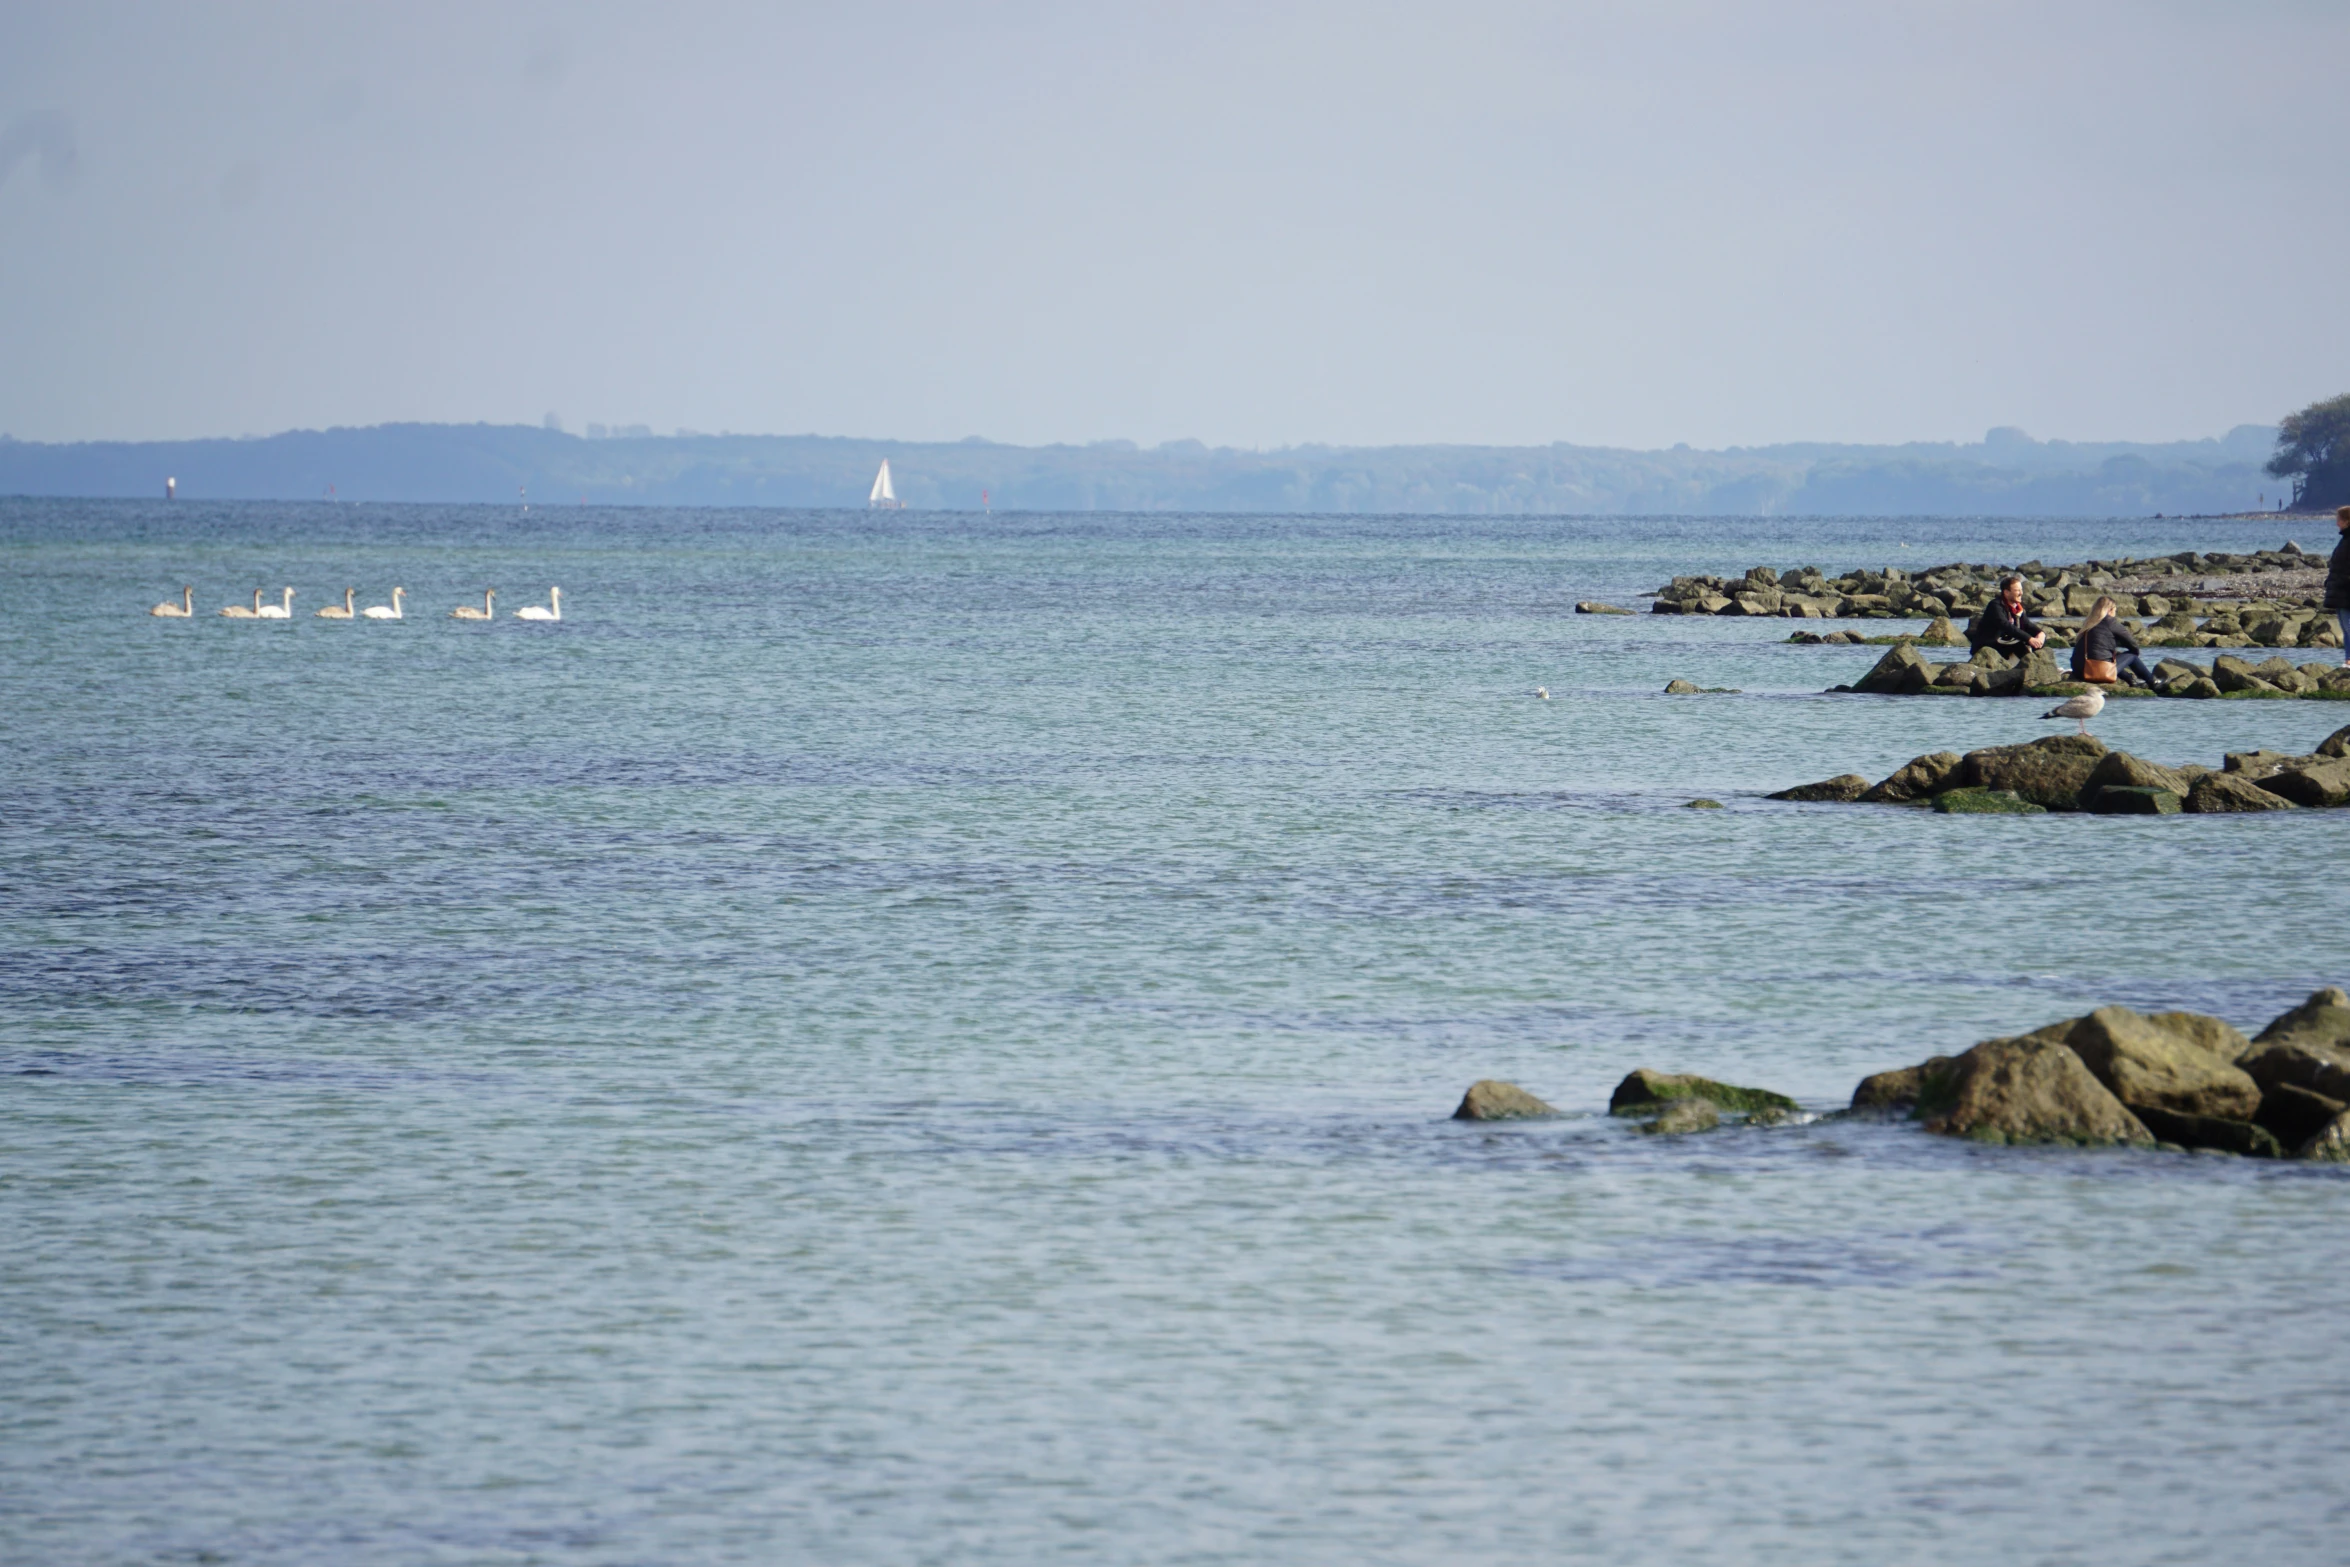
x,y
332,613
389,611
541,611
283,611
489,604
240,612
180,611
2080,708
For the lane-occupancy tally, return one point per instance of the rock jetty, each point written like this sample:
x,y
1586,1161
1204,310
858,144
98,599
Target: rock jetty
x,y
2079,773
1904,671
2179,1080
2186,594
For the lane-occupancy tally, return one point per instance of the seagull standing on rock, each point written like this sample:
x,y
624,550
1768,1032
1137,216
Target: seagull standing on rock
x,y
2081,708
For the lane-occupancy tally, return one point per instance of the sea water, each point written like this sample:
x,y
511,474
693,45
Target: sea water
x,y
928,1038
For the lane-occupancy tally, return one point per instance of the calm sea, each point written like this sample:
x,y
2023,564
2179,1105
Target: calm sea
x,y
927,1038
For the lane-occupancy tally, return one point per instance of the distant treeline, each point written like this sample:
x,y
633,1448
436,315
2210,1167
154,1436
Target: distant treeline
x,y
2005,474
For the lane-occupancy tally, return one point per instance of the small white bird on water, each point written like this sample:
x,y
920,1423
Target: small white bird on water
x,y
1542,692
2080,708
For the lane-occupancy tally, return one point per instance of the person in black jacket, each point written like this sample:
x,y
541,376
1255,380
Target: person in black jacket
x,y
2338,581
2107,640
2004,625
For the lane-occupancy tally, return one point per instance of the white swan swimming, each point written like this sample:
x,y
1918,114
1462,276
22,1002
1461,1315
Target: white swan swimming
x,y
180,611
541,611
389,611
489,604
283,611
342,611
2080,708
240,612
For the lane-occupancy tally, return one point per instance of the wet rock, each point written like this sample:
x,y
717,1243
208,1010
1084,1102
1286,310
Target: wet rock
x,y
2308,1047
2294,1115
2222,793
1842,787
2315,784
1915,780
1703,804
1941,633
1985,802
2183,1062
1902,670
2230,673
1681,688
2330,1146
2336,744
2027,1090
1595,607
2121,770
1643,1090
1492,1100
2050,772
2211,1132
1684,1115
2259,764
1900,1088
2126,801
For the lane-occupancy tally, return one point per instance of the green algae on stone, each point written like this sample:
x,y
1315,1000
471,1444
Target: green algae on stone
x,y
1643,1091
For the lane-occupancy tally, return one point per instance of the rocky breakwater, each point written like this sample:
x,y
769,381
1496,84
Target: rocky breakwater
x,y
2268,598
2179,1080
1906,671
2079,773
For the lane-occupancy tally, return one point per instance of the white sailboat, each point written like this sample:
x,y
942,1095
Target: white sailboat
x,y
885,495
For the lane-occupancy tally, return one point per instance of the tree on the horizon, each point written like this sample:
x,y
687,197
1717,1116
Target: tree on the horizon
x,y
2313,448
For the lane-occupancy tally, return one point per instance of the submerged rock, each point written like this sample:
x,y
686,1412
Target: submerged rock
x,y
1844,787
1684,1115
1985,802
1643,1091
2180,1062
1703,804
2025,1090
2211,1132
1490,1099
1595,607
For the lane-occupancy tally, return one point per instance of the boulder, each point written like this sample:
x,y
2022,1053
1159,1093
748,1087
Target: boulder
x,y
2211,1131
2294,1115
2316,784
1900,1088
2220,793
2308,1047
2028,1090
2200,689
1595,607
1492,1100
1642,1091
1916,779
2040,668
2050,771
1902,670
1703,804
1681,688
2230,673
1986,802
1684,1115
2182,1062
2336,744
2259,764
2331,1146
2121,770
1941,633
2126,801
1842,787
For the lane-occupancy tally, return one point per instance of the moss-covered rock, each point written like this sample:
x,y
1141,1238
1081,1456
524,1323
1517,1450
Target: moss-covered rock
x,y
1683,1116
1842,787
1642,1091
1916,780
2216,794
1985,802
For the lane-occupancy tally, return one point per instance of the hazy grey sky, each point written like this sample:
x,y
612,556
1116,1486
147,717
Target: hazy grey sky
x,y
1254,224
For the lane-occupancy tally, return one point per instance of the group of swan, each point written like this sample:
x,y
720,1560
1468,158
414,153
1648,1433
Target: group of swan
x,y
186,607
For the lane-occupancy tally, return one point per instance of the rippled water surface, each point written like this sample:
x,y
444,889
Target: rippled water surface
x,y
928,1039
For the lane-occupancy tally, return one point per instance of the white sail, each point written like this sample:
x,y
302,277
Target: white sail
x,y
884,493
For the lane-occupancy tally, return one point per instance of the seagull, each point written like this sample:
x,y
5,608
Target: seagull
x,y
1542,692
2080,708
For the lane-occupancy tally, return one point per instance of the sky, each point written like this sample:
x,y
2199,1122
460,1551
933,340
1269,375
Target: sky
x,y
1253,224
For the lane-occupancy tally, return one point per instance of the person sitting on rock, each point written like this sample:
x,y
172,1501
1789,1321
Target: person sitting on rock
x,y
2106,651
2338,581
2004,626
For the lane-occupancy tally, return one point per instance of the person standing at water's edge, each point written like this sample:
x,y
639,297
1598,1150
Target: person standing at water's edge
x,y
2004,625
2338,580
